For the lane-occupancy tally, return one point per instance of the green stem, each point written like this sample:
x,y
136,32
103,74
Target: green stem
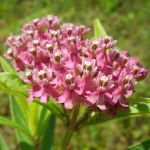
x,y
66,139
82,119
70,129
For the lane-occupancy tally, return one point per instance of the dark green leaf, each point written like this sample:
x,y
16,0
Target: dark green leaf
x,y
43,121
145,145
6,66
48,137
98,29
3,144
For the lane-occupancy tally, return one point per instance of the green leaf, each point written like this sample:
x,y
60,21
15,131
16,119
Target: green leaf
x,y
25,141
98,29
136,110
17,114
43,121
12,84
7,122
48,137
137,100
23,106
54,108
145,145
6,66
34,110
3,144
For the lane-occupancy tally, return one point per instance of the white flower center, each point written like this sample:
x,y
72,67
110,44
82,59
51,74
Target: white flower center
x,y
69,78
94,44
87,65
58,56
49,47
42,74
103,80
36,42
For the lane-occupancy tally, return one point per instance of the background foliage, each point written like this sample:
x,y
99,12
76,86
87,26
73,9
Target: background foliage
x,y
127,21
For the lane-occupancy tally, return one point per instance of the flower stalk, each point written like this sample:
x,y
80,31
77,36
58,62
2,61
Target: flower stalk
x,y
70,129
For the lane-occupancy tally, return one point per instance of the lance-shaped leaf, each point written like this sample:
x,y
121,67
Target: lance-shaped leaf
x,y
3,144
98,29
144,145
7,122
137,100
136,110
34,115
6,66
25,141
48,136
12,84
42,121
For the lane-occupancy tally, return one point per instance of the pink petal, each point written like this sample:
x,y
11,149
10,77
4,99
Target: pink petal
x,y
101,103
63,97
68,104
44,98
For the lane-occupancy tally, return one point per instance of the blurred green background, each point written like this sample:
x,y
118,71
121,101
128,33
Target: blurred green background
x,y
128,21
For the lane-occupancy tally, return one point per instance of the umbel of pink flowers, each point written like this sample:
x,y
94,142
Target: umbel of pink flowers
x,y
60,62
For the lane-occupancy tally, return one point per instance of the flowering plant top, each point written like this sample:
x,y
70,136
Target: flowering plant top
x,y
60,62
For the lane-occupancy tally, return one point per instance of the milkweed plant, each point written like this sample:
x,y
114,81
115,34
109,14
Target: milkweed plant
x,y
59,72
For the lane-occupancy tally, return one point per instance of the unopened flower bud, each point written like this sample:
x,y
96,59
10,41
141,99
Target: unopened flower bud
x,y
69,78
42,74
58,56
142,74
93,113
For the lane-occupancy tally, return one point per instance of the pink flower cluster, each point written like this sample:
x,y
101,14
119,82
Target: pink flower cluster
x,y
60,62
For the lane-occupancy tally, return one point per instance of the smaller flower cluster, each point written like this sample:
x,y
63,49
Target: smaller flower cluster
x,y
60,62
